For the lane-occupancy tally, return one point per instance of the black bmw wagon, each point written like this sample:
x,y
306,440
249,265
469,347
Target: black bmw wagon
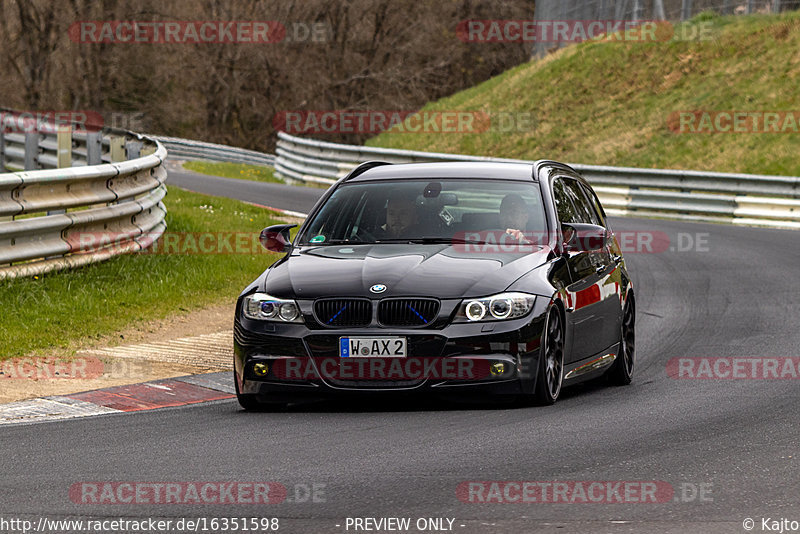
x,y
474,279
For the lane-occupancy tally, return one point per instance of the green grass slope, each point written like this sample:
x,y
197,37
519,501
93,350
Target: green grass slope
x,y
610,103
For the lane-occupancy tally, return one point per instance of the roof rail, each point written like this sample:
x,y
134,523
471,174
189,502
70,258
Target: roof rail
x,y
364,167
542,162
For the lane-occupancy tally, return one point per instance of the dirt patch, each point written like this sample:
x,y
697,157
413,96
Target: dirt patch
x,y
57,374
206,321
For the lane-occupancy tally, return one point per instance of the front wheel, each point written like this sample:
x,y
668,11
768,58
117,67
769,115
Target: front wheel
x,y
551,362
248,402
251,403
621,372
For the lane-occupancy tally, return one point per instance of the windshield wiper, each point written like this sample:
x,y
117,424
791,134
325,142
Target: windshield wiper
x,y
434,241
335,242
407,240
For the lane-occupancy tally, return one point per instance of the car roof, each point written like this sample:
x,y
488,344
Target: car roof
x,y
457,169
498,170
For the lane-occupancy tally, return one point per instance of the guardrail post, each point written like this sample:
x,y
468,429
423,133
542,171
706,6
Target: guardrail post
x,y
776,6
31,150
116,146
750,5
64,142
133,149
94,148
63,158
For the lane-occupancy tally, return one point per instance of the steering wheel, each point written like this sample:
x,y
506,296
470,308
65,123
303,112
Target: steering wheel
x,y
361,236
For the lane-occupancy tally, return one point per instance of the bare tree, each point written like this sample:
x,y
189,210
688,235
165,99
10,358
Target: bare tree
x,y
361,54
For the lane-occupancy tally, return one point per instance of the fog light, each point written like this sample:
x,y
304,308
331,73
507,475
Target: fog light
x,y
497,368
261,369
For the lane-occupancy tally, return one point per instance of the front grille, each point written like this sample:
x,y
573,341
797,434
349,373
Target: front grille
x,y
343,312
407,312
421,345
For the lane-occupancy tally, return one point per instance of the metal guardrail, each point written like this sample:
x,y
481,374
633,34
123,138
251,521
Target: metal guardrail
x,y
746,199
76,198
199,150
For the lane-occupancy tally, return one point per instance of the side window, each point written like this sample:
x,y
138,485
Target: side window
x,y
567,212
585,211
595,203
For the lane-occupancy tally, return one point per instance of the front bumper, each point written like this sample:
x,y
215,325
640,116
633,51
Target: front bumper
x,y
496,358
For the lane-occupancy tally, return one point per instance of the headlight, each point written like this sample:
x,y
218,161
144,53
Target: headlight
x,y
495,308
262,307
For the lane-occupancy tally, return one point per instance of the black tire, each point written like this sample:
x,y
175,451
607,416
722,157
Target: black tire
x,y
252,403
248,402
621,372
550,376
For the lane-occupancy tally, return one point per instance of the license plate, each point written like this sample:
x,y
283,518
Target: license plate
x,y
372,347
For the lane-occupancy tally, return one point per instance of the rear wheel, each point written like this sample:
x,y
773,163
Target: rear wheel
x,y
621,372
551,363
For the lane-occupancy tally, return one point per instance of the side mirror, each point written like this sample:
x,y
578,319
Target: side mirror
x,y
583,237
276,238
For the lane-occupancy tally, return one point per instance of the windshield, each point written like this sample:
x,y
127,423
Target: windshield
x,y
426,211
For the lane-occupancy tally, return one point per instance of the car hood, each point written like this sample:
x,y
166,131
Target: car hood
x,y
443,271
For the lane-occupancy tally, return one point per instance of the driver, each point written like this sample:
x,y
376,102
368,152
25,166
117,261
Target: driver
x,y
514,215
401,217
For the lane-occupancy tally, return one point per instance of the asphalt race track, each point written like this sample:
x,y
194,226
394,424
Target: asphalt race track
x,y
300,199
734,295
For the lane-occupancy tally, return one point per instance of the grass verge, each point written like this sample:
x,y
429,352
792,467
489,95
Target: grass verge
x,y
60,310
241,171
